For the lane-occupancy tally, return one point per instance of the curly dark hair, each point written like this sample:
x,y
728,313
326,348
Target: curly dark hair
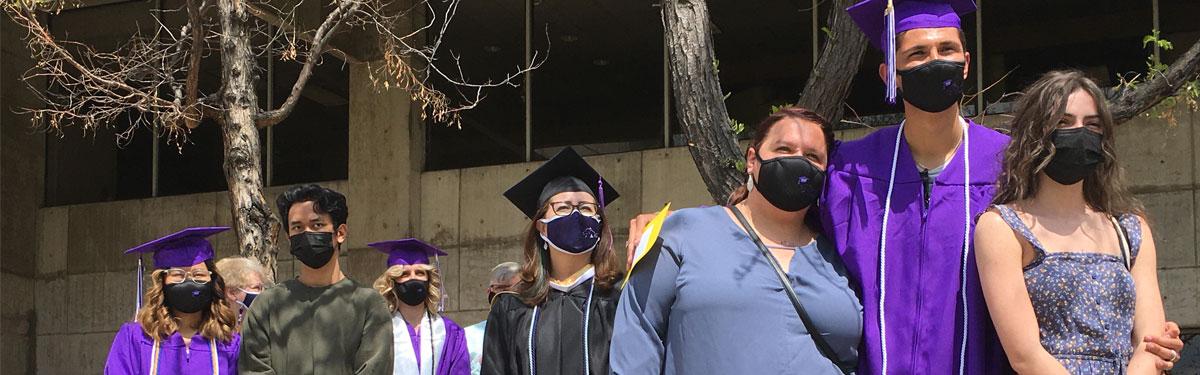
x,y
1036,117
325,201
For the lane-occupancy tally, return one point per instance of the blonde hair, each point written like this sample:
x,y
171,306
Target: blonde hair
x,y
385,283
236,271
218,321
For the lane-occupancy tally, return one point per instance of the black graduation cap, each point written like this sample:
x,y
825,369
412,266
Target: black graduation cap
x,y
565,172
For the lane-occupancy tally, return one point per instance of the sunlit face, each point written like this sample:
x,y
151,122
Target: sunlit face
x,y
918,46
1081,112
790,137
413,272
303,218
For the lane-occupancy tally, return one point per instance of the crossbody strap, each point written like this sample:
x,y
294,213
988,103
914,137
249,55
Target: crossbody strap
x,y
817,338
1123,240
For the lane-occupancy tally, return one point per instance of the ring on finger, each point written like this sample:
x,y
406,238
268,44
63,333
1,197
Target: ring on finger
x,y
1174,355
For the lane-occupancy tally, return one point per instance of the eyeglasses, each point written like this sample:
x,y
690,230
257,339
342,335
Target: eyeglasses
x,y
498,287
177,275
588,209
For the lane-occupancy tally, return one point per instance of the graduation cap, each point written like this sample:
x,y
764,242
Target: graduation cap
x,y
881,20
407,251
565,172
411,251
184,248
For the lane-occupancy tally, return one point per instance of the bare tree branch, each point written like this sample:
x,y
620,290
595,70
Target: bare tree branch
x,y
1131,102
328,27
92,89
196,26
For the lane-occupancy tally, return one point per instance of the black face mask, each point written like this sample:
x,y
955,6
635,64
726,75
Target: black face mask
x,y
412,292
314,249
790,183
188,296
1077,153
933,86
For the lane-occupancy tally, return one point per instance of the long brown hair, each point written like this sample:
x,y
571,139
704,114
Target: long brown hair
x,y
739,194
534,286
386,282
218,321
1036,117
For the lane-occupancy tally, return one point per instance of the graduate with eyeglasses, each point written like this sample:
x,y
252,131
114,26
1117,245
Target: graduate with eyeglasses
x,y
559,321
183,325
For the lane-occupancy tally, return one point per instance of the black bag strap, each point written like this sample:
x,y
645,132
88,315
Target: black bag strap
x,y
817,338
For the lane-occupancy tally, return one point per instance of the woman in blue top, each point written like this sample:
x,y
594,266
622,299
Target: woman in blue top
x,y
707,300
1065,227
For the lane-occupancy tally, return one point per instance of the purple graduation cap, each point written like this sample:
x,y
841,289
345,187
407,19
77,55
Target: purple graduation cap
x,y
411,251
408,251
180,249
881,20
565,172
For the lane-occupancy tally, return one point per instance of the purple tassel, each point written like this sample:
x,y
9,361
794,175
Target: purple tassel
x,y
890,53
140,275
600,183
441,307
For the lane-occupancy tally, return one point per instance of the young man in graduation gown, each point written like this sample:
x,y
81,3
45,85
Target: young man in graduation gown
x,y
900,203
321,322
560,319
425,341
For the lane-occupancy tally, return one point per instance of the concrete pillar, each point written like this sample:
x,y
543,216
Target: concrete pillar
x,y
21,170
384,172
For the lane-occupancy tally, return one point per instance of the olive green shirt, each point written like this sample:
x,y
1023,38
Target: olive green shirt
x,y
344,328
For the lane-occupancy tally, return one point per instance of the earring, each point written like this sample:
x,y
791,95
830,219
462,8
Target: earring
x,y
749,182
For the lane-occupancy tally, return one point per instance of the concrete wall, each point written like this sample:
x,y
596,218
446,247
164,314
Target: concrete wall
x,y
20,196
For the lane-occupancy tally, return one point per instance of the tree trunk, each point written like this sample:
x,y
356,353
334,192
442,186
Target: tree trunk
x,y
699,102
256,227
1130,103
829,81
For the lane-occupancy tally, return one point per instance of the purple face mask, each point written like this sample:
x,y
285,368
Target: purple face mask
x,y
574,233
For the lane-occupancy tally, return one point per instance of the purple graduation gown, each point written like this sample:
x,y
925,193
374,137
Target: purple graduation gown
x,y
924,252
130,354
455,360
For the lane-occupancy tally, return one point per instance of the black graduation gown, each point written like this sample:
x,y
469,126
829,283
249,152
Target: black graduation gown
x,y
559,334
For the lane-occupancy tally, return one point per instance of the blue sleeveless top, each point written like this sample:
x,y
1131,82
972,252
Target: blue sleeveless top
x,y
1084,301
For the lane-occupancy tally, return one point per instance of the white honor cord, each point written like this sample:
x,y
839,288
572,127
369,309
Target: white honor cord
x,y
887,206
587,308
962,351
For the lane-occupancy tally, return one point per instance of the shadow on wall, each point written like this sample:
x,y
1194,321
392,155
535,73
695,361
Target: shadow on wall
x,y
1189,362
